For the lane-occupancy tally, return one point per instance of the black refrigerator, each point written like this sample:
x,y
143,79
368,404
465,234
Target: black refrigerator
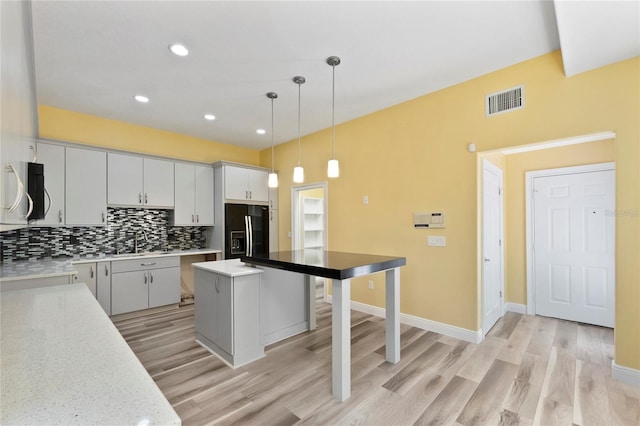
x,y
246,230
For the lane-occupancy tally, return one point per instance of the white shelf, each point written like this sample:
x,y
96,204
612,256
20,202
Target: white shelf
x,y
314,226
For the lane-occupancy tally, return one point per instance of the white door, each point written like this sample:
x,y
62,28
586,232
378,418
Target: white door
x,y
573,246
492,254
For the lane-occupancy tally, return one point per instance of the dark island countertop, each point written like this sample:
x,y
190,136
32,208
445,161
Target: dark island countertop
x,y
328,264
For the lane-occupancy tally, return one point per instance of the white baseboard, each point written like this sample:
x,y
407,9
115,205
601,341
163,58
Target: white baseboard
x,y
626,375
422,323
518,308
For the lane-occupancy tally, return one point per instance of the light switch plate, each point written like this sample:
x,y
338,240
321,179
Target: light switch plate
x,y
437,241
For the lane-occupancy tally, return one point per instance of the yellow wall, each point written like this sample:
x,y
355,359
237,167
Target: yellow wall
x,y
517,166
70,126
413,157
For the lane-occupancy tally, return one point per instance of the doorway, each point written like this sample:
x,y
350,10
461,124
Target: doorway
x,y
492,250
309,224
571,243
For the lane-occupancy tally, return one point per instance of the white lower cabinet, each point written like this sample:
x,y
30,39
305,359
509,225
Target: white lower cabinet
x,y
97,276
144,283
227,315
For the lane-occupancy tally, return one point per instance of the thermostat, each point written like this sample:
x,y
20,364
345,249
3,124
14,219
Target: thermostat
x,y
428,220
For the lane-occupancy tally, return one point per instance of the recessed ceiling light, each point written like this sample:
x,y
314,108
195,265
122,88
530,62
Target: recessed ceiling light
x,y
179,50
141,98
210,116
261,131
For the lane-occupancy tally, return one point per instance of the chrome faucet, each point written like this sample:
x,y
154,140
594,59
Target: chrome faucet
x,y
135,240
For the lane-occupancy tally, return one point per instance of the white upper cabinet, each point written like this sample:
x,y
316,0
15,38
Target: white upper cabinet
x,y
85,187
124,179
193,195
19,111
244,184
273,198
52,157
204,195
158,183
138,181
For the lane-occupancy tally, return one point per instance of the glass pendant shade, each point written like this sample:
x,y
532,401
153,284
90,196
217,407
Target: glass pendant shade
x,y
273,180
298,174
333,169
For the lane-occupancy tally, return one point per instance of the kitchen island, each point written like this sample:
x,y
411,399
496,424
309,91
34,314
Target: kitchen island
x,y
64,362
341,267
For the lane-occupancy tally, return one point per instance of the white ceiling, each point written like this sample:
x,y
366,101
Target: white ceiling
x,y
94,56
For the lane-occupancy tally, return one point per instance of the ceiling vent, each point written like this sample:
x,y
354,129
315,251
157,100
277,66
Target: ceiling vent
x,y
507,100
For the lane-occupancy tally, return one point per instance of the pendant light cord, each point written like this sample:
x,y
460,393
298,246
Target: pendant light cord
x,y
333,110
272,154
299,124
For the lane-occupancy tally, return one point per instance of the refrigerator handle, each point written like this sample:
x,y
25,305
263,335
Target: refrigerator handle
x,y
247,232
250,236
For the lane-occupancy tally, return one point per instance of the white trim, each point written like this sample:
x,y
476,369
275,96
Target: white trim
x,y
488,166
627,375
529,213
518,308
593,137
295,209
422,323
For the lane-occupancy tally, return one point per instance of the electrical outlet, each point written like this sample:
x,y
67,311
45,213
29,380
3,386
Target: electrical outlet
x,y
370,284
289,234
365,200
437,241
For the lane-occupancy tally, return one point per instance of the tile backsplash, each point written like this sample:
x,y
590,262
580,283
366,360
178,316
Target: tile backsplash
x,y
152,226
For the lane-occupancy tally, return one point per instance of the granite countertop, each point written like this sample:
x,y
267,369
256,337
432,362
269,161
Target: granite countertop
x,y
230,268
43,268
328,264
64,362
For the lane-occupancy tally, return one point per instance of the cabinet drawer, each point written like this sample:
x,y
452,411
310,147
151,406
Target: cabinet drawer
x,y
144,263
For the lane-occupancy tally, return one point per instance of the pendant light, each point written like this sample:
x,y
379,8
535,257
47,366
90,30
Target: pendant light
x,y
298,171
333,167
273,176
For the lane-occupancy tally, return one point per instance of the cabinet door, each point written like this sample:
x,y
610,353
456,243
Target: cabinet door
x,y
129,292
205,296
158,183
87,275
164,286
85,187
204,195
224,306
103,285
273,230
52,156
185,194
273,198
124,180
236,183
258,185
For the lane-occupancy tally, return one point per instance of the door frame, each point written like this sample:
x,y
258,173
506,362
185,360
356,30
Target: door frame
x,y
295,211
529,214
488,165
295,220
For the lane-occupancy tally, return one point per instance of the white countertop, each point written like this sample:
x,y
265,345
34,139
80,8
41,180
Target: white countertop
x,y
25,269
230,268
64,362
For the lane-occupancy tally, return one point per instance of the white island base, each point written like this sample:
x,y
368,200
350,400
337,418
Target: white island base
x,y
240,309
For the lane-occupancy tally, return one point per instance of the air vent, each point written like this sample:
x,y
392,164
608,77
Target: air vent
x,y
507,100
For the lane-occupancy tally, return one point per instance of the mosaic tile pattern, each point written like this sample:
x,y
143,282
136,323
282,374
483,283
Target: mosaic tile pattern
x,y
152,227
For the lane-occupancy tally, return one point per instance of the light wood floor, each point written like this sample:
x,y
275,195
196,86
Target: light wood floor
x,y
529,370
